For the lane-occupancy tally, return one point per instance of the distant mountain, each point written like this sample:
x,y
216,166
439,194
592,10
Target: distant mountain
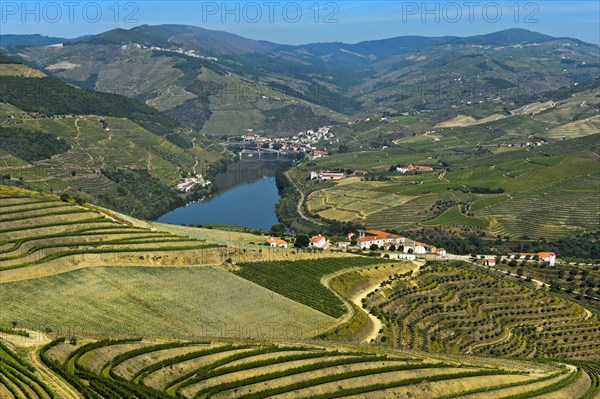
x,y
30,40
207,41
506,37
203,77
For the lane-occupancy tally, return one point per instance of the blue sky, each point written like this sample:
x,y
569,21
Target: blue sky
x,y
295,22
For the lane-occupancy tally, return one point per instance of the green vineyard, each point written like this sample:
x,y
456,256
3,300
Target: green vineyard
x,y
301,280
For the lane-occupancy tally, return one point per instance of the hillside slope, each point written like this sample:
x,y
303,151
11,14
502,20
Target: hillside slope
x,y
104,148
145,368
180,69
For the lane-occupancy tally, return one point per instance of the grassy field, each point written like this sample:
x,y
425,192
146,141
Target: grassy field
x,y
158,370
455,308
454,217
158,301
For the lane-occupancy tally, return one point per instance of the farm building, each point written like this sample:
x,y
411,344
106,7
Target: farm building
x,y
366,238
549,257
318,242
490,262
343,245
277,243
326,175
420,248
441,252
413,168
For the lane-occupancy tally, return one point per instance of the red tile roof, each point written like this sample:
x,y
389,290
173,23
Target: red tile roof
x,y
316,239
276,241
371,238
546,254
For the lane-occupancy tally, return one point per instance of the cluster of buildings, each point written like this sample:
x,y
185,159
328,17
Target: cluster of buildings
x,y
509,46
189,53
367,238
328,175
549,257
305,142
401,247
190,182
534,143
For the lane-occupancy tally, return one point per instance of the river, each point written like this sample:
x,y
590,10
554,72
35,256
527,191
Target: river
x,y
246,196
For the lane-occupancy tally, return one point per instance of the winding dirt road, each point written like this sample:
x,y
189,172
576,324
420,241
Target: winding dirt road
x,y
376,323
60,386
301,202
357,298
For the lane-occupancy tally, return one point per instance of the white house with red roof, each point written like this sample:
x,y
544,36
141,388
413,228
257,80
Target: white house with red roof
x,y
490,262
366,238
277,243
549,257
420,248
441,252
317,242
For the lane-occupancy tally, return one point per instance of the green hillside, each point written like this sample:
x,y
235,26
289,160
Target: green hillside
x,y
100,147
485,179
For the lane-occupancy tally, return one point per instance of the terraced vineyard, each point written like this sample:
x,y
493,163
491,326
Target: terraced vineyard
x,y
455,308
564,212
18,378
352,202
36,230
405,215
148,369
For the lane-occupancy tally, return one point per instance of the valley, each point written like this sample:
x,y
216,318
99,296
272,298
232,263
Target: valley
x,y
190,213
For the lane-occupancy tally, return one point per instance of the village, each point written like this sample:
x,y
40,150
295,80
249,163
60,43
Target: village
x,y
303,142
189,53
394,246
